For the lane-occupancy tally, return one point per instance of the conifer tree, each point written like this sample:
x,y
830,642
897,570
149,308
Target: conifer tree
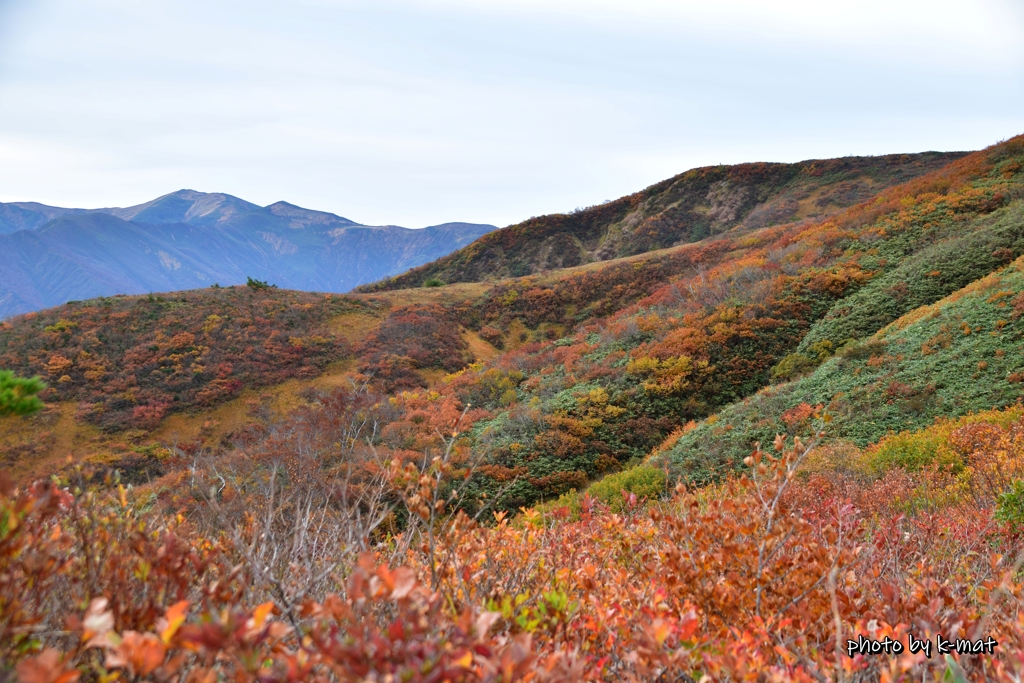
x,y
18,394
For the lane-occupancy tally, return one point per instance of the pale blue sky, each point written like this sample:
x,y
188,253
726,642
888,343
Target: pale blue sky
x,y
414,113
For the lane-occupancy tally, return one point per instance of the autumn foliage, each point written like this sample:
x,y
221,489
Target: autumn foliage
x,y
766,574
521,518
418,337
130,361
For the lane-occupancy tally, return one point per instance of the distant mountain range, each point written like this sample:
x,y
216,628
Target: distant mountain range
x,y
189,239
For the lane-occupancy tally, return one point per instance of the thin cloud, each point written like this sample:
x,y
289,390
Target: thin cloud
x,y
417,113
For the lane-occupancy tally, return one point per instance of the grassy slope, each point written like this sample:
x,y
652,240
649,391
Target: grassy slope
x,y
961,354
687,208
908,276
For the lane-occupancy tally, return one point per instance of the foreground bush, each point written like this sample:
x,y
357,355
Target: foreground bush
x,y
623,490
18,394
763,577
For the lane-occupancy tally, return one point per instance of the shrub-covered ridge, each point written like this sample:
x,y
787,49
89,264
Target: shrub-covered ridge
x,y
129,361
692,206
961,354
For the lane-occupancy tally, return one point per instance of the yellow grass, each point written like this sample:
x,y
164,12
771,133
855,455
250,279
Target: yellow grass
x,y
481,350
427,295
353,327
55,432
514,336
432,376
215,424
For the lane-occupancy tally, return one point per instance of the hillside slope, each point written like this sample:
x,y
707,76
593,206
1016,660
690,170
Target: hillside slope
x,y
131,376
578,397
962,354
190,239
578,373
367,485
692,206
129,361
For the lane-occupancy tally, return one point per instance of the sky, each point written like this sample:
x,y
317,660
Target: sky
x,y
414,113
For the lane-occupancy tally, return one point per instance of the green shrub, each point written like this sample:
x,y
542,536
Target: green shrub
x,y
258,284
569,500
796,364
792,365
912,451
1010,505
18,394
863,350
644,481
432,282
